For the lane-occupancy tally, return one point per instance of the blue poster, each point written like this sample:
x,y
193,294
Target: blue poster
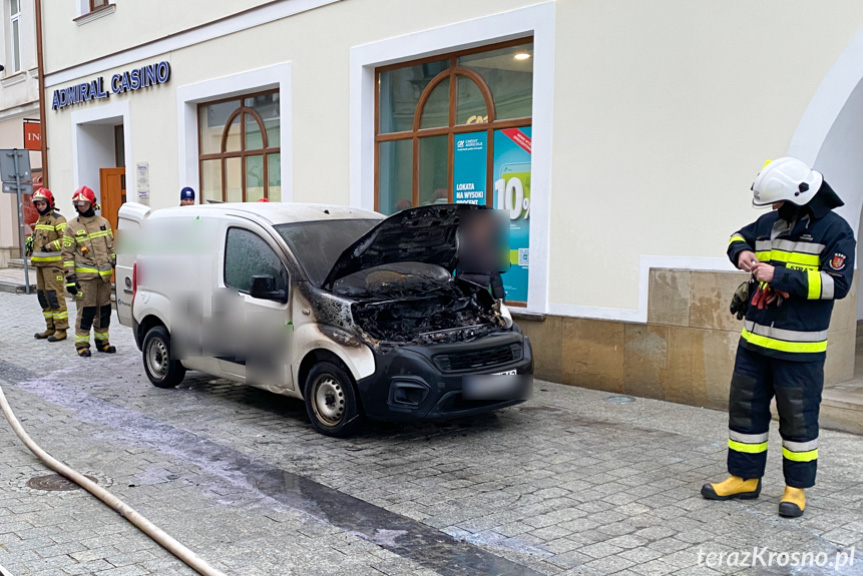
x,y
512,148
469,169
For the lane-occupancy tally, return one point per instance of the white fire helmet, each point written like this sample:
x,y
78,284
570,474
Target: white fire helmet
x,y
785,179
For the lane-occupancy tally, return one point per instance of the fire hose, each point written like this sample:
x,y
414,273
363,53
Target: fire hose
x,y
154,532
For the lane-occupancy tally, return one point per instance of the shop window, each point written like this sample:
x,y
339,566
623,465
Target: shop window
x,y
430,111
239,140
457,129
15,33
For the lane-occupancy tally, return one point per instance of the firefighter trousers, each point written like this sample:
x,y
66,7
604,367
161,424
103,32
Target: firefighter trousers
x,y
797,387
51,291
94,310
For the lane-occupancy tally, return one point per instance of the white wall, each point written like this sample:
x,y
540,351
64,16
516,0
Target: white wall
x,y
19,88
663,113
132,24
841,162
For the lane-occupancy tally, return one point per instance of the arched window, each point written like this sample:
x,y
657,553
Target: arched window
x,y
437,120
239,148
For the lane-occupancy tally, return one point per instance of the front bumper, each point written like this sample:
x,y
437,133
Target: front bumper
x,y
425,382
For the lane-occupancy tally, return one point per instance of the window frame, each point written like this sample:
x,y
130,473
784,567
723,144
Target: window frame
x,y
285,273
223,156
93,7
491,124
15,19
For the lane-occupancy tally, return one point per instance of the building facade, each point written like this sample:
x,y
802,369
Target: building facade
x,y
622,138
19,105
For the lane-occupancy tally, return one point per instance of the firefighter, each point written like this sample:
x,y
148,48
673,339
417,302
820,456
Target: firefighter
x,y
187,196
89,259
46,246
801,257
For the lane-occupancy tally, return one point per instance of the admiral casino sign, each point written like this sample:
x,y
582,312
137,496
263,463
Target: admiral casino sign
x,y
129,81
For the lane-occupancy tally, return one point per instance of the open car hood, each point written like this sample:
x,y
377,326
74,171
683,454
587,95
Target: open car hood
x,y
424,234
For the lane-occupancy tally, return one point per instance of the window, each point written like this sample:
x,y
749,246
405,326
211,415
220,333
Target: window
x,y
247,255
239,141
15,28
318,244
438,121
96,4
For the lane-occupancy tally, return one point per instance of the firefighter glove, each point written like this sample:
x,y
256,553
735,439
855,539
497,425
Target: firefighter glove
x,y
740,300
759,300
72,286
28,245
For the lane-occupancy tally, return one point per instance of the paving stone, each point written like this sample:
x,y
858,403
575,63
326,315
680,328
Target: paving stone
x,y
579,487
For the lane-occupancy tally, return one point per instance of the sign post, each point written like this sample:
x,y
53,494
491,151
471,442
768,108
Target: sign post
x,y
15,174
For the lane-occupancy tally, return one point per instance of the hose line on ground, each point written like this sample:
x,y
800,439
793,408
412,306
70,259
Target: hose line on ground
x,y
154,532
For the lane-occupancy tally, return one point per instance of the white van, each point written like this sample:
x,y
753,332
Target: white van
x,y
357,314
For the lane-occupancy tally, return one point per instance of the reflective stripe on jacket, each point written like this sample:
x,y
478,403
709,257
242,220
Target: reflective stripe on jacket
x,y
48,240
814,263
88,248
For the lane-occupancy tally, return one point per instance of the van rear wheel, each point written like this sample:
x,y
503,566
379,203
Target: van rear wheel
x,y
331,400
162,369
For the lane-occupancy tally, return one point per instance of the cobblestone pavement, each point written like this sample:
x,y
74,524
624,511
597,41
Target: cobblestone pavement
x,y
568,483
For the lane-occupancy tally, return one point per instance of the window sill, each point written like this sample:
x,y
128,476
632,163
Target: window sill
x,y
13,79
95,14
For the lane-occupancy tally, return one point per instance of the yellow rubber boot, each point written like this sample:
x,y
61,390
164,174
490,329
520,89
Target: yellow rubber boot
x,y
793,503
733,487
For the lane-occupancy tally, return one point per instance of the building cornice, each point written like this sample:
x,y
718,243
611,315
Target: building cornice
x,y
96,14
21,111
16,78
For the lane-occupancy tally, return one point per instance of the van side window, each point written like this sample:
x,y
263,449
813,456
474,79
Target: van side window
x,y
247,255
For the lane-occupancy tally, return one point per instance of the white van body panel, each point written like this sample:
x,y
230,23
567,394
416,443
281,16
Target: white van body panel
x,y
166,236
310,337
129,222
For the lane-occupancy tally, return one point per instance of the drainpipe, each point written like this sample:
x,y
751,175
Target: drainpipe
x,y
43,129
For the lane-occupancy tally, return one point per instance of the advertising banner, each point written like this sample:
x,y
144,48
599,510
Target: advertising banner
x,y
469,168
32,135
511,175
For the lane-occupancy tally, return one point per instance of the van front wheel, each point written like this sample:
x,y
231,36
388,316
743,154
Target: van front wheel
x,y
331,401
162,369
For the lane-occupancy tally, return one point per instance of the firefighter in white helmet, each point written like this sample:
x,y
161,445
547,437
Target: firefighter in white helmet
x,y
801,257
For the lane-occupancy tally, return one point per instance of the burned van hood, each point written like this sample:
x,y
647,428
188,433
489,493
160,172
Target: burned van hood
x,y
425,234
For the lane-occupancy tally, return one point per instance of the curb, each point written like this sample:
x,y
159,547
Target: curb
x,y
16,288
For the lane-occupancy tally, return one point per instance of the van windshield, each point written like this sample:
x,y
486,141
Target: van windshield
x,y
317,245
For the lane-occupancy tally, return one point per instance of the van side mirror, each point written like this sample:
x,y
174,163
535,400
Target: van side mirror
x,y
264,287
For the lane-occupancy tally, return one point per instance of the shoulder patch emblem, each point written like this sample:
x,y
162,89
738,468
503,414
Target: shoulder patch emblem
x,y
838,261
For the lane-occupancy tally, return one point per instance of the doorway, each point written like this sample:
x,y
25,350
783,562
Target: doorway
x,y
101,151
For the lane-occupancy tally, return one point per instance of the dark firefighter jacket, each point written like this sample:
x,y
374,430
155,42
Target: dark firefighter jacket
x,y
814,259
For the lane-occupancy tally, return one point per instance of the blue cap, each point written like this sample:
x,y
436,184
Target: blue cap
x,y
187,193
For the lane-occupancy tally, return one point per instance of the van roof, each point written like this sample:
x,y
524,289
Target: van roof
x,y
273,212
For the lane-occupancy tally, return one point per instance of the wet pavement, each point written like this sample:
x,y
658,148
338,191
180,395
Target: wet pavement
x,y
572,482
